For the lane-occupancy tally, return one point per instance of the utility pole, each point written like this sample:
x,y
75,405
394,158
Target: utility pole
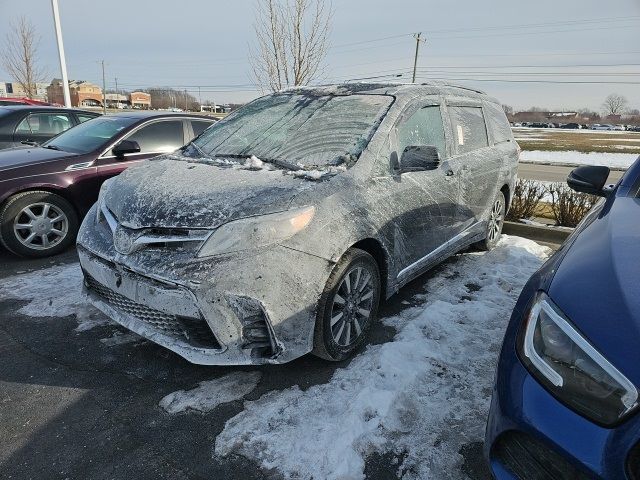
x,y
186,109
200,98
63,62
415,59
117,93
104,91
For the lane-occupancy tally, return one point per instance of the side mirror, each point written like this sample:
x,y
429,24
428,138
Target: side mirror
x,y
418,158
589,179
124,147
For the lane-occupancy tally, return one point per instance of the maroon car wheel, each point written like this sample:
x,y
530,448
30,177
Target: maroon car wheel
x,y
37,224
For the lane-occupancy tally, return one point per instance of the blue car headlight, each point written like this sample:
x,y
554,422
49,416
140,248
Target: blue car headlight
x,y
559,357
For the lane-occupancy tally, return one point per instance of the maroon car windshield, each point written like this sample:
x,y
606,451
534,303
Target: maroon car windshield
x,y
90,135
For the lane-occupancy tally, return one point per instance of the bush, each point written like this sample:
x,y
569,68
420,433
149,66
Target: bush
x,y
568,206
526,197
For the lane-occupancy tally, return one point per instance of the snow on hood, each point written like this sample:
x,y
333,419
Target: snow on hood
x,y
169,192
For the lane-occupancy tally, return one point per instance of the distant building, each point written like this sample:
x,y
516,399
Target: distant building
x,y
83,94
140,100
117,100
15,90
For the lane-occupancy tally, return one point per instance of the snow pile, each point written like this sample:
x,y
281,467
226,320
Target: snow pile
x,y
614,160
421,396
254,163
53,292
318,173
212,393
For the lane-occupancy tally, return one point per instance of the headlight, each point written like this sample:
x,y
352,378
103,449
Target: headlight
x,y
568,365
255,232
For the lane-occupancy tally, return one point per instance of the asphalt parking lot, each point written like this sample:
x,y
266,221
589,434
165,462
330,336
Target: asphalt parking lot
x,y
74,406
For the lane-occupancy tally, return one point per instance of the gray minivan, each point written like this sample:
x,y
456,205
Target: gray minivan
x,y
279,230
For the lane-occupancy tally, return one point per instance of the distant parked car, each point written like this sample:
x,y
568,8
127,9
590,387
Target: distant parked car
x,y
601,126
619,128
278,231
566,400
571,126
539,125
31,124
12,101
46,190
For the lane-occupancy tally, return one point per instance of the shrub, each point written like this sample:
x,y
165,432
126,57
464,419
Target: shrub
x,y
568,206
526,197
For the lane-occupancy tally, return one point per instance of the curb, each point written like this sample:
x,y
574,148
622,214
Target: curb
x,y
567,164
553,235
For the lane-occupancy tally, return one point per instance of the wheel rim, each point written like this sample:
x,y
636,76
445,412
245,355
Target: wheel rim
x,y
495,220
41,226
352,306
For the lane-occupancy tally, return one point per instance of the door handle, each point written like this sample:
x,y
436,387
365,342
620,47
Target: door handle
x,y
449,173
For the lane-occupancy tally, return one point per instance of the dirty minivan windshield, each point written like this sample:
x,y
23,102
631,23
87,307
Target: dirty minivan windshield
x,y
298,129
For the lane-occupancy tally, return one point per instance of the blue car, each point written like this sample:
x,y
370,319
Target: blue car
x,y
565,400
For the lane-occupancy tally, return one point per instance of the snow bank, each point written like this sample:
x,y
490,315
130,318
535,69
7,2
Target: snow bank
x,y
212,393
615,160
53,292
421,396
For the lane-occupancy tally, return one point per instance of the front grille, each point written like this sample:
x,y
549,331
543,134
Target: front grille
x,y
193,330
633,463
529,459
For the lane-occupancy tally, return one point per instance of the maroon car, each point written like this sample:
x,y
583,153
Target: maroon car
x,y
46,190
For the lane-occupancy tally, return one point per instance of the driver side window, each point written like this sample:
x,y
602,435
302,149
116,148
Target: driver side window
x,y
424,127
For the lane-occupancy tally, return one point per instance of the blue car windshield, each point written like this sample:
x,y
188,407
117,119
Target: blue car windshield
x,y
299,129
90,135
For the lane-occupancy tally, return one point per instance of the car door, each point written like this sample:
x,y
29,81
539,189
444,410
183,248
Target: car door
x,y
474,158
39,127
154,137
426,200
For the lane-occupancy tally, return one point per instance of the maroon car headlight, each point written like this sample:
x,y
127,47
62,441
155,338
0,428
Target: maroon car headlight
x,y
559,357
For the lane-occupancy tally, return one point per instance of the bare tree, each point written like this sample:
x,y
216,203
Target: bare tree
x,y
614,104
20,56
292,41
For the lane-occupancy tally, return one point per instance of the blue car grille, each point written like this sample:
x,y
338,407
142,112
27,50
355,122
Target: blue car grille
x,y
529,459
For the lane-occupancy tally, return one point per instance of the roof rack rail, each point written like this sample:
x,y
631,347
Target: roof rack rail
x,y
455,85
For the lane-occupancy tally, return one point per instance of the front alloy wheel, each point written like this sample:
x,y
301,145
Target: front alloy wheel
x,y
348,306
37,224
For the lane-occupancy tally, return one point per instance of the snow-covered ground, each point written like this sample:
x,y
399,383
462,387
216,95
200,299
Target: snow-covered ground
x,y
615,160
421,396
53,292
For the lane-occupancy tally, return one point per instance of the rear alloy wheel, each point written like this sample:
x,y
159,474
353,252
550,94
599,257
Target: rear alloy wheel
x,y
348,306
37,224
495,223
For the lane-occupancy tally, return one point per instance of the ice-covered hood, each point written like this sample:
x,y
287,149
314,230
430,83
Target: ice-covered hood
x,y
166,193
597,284
27,155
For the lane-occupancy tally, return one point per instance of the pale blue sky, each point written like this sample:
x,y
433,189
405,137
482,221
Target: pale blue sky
x,y
204,43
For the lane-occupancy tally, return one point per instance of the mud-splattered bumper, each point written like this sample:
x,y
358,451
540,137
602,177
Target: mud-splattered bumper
x,y
254,309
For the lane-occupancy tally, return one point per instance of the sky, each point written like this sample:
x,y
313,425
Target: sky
x,y
522,52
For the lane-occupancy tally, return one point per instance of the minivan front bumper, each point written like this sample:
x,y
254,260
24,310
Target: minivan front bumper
x,y
245,309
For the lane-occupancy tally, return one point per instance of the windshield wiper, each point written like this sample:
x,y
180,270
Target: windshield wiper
x,y
52,147
274,161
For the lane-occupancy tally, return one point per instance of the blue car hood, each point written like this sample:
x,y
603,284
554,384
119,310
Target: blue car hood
x,y
597,284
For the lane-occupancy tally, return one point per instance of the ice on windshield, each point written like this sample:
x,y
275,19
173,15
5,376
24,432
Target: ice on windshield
x,y
90,135
298,129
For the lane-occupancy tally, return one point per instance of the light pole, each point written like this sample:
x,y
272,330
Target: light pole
x,y
63,62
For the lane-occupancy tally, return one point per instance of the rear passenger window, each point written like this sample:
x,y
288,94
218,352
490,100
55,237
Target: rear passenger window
x,y
469,129
498,123
424,127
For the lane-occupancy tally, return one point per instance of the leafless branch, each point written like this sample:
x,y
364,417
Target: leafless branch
x,y
20,56
292,41
614,104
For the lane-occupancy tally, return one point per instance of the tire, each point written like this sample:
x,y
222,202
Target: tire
x,y
35,211
356,271
494,224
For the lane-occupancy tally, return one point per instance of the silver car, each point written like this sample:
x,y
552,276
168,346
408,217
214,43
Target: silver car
x,y
280,229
